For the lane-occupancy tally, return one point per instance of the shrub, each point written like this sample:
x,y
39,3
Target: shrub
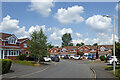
x,y
102,58
6,65
22,57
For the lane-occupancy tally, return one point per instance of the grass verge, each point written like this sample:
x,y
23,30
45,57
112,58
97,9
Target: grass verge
x,y
29,63
117,70
96,62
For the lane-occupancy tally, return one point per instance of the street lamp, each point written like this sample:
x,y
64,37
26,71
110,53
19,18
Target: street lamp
x,y
113,40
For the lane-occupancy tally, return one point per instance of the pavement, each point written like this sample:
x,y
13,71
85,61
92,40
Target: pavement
x,y
62,69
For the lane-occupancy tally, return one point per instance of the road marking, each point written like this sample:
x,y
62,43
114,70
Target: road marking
x,y
94,73
13,77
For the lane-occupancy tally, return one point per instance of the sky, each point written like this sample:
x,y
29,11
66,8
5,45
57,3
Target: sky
x,y
84,20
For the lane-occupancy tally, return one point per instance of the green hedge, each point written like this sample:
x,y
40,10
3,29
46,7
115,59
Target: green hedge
x,y
6,65
102,58
22,57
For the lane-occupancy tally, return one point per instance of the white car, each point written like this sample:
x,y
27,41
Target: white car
x,y
111,59
77,57
47,59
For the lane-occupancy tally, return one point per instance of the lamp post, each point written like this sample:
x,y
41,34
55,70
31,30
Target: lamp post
x,y
113,41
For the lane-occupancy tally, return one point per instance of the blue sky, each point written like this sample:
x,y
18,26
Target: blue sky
x,y
77,22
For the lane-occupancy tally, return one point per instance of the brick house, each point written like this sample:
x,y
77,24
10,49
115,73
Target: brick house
x,y
68,50
73,50
11,46
105,49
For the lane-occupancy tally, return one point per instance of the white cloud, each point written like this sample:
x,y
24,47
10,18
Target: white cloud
x,y
79,35
42,7
57,34
37,28
11,25
70,15
102,39
99,23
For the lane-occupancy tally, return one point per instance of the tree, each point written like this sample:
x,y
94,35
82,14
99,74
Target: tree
x,y
95,44
117,49
50,46
38,44
80,44
66,38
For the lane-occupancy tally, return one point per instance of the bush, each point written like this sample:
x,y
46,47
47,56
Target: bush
x,y
6,65
102,58
22,57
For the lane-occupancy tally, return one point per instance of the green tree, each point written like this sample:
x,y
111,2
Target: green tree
x,y
80,44
67,39
95,44
117,49
38,44
50,46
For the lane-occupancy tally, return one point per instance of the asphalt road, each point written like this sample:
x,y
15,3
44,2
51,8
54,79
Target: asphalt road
x,y
62,69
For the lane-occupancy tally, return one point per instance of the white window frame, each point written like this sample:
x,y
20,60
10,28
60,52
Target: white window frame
x,y
81,50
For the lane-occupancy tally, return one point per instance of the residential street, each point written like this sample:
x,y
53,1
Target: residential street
x,y
62,69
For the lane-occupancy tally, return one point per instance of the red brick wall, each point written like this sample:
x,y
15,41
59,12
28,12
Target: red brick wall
x,y
12,57
83,48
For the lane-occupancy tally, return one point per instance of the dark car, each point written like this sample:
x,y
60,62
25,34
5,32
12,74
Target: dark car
x,y
56,59
66,57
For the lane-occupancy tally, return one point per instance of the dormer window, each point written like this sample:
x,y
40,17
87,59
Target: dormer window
x,y
102,49
12,41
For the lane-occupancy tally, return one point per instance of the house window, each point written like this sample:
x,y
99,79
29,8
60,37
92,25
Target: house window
x,y
102,49
92,49
25,45
81,49
12,41
51,50
74,50
85,49
55,50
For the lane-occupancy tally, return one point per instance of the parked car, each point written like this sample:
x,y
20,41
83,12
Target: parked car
x,y
47,59
77,57
111,59
90,56
56,59
66,57
107,58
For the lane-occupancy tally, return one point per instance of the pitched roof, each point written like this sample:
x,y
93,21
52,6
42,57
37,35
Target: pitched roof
x,y
3,36
105,46
92,47
71,47
20,40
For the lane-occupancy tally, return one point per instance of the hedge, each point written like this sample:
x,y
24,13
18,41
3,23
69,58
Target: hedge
x,y
22,57
102,58
6,65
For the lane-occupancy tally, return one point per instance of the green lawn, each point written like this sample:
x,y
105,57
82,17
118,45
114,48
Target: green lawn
x,y
117,70
29,63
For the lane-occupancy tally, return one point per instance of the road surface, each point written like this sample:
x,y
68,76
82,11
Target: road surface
x,y
62,69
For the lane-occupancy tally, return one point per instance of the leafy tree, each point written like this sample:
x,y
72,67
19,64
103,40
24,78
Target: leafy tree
x,y
117,49
50,46
80,44
66,38
71,44
38,44
95,44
